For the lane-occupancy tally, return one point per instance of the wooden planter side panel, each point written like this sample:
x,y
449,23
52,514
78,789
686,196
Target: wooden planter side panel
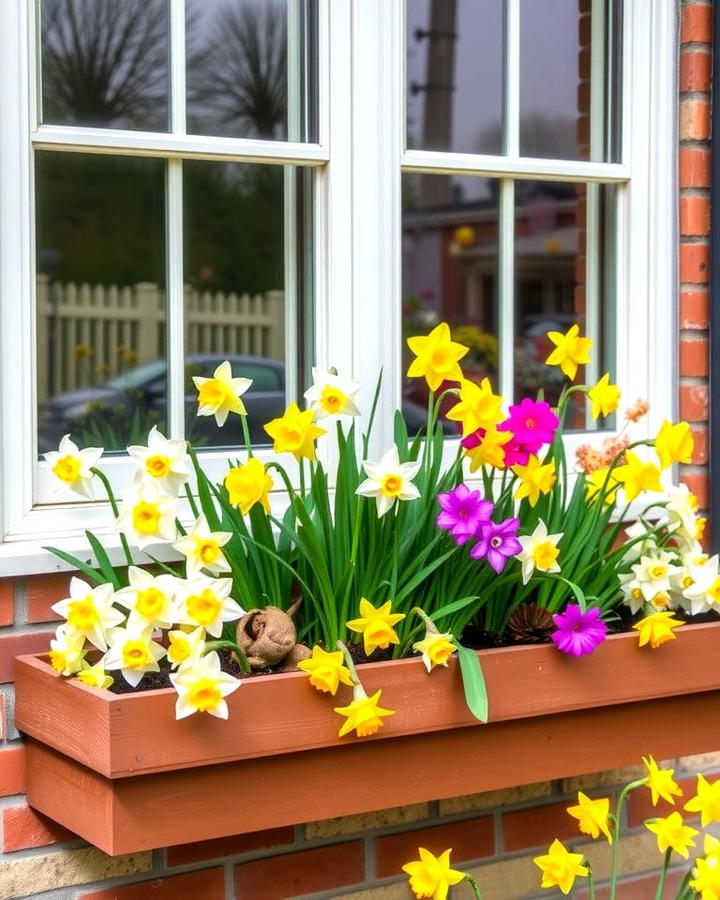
x,y
130,814
283,714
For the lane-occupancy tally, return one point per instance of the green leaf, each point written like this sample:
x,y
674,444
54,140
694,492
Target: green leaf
x,y
78,564
449,608
106,567
473,682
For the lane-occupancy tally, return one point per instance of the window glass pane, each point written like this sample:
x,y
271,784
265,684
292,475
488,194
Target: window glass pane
x,y
251,68
563,43
104,63
449,256
563,275
454,75
100,299
235,275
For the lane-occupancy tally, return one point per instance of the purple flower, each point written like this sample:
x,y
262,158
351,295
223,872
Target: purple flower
x,y
578,632
463,513
497,542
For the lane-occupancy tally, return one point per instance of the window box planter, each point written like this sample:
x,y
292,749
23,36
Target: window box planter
x,y
120,771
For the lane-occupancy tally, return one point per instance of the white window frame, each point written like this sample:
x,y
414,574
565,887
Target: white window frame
x,y
358,160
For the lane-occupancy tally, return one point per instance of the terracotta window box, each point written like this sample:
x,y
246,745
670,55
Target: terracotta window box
x,y
120,771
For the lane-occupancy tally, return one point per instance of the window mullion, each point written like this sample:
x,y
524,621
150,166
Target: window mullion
x,y
511,79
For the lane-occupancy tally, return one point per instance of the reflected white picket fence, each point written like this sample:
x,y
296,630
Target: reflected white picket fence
x,y
88,333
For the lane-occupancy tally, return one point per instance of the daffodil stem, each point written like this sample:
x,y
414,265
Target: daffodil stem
x,y
229,645
474,886
349,663
302,477
116,512
429,624
684,889
591,884
246,434
616,833
660,892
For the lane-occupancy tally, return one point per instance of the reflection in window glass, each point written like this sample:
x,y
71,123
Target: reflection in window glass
x,y
557,227
449,256
100,299
235,291
454,75
104,63
251,68
560,43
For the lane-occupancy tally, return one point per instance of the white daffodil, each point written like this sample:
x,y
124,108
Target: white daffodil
x,y
201,549
133,652
331,395
206,602
220,395
185,645
71,466
202,686
539,551
148,515
654,572
89,611
631,588
639,548
681,508
95,676
164,462
389,480
703,594
149,599
67,650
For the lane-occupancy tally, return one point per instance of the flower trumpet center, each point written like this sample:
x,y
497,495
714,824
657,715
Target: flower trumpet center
x,y
179,649
145,518
150,602
392,485
67,469
204,695
204,608
545,555
158,466
82,614
332,399
212,393
135,655
713,593
657,572
208,552
291,438
380,634
441,359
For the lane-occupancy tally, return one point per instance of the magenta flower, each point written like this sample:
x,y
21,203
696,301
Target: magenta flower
x,y
497,543
578,632
463,513
532,423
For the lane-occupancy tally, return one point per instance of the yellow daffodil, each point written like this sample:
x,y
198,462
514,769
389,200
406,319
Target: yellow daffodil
x,y
593,816
133,652
71,466
326,670
148,515
202,686
376,625
249,484
597,483
674,443
706,882
363,715
673,834
437,357
220,395
478,406
389,480
711,846
657,628
604,397
94,676
201,548
490,451
661,782
436,649
149,599
185,645
570,351
539,551
431,876
637,476
560,868
706,801
331,395
535,479
164,462
206,602
89,611
295,433
67,650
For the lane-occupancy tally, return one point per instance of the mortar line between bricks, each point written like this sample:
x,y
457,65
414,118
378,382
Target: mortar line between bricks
x,y
229,882
695,46
19,602
369,856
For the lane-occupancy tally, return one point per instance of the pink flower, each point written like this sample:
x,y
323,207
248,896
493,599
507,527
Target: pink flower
x,y
532,423
578,632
